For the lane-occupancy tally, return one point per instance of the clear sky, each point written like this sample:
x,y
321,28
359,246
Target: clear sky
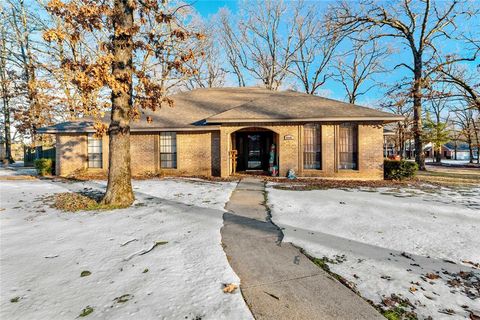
x,y
207,8
333,89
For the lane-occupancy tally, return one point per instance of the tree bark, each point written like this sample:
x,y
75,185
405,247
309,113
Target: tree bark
x,y
475,133
417,112
5,100
119,189
438,157
470,148
8,139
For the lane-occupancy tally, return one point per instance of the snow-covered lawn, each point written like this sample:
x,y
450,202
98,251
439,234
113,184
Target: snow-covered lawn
x,y
416,244
44,252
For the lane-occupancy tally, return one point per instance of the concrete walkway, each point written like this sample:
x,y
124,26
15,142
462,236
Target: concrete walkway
x,y
278,282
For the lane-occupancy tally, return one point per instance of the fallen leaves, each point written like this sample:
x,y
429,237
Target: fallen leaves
x,y
85,273
229,288
432,276
475,265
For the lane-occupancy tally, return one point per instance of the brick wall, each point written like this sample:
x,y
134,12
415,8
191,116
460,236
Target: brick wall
x,y
207,152
370,150
144,153
71,153
196,153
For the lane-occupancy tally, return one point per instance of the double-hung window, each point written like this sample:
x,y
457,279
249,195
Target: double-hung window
x,y
348,146
312,146
95,157
168,150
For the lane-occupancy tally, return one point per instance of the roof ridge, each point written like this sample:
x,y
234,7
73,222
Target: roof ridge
x,y
238,106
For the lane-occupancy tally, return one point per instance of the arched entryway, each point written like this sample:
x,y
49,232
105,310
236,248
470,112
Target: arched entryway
x,y
257,150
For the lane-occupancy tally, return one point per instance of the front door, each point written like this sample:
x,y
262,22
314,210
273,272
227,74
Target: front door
x,y
253,150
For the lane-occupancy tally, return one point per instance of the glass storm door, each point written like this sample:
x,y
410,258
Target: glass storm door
x,y
254,160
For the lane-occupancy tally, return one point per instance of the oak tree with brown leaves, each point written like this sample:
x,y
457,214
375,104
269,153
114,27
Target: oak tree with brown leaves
x,y
145,50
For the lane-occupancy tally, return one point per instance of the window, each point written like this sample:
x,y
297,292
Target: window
x,y
312,147
168,150
94,152
348,146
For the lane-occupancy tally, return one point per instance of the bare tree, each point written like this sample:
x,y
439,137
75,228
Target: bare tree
x,y
5,87
396,103
209,68
467,120
231,45
421,26
23,26
266,43
467,84
355,68
318,41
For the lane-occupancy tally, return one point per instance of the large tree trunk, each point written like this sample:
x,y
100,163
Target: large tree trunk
x,y
8,139
401,140
477,139
417,114
470,148
119,188
5,98
438,157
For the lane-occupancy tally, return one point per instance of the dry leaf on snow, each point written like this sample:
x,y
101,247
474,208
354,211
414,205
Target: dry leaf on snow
x,y
229,288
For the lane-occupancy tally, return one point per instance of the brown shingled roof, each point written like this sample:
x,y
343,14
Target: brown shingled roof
x,y
297,106
203,109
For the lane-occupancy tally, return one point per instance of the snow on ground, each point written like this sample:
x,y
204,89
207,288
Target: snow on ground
x,y
392,241
450,161
5,172
44,251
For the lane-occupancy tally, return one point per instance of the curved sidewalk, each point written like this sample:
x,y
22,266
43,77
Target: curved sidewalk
x,y
279,282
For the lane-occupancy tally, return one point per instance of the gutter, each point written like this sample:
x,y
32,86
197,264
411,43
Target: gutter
x,y
335,119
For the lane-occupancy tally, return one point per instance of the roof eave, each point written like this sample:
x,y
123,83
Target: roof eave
x,y
328,119
154,129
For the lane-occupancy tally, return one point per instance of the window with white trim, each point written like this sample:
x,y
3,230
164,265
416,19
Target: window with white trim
x,y
312,146
95,156
168,150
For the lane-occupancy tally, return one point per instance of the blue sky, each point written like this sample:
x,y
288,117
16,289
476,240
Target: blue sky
x,y
333,89
209,7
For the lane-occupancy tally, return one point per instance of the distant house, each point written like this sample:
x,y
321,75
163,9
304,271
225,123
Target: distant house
x,y
263,130
460,151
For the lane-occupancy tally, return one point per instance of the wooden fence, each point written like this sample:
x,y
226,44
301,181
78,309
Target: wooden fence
x,y
31,154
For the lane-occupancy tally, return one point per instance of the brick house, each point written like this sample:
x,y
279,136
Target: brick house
x,y
314,136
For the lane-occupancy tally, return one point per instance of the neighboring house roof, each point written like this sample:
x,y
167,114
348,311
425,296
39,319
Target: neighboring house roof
x,y
202,109
461,147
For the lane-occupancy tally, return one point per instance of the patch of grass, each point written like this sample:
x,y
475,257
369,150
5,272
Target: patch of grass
x,y
398,313
86,311
85,273
302,184
322,263
14,300
71,201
